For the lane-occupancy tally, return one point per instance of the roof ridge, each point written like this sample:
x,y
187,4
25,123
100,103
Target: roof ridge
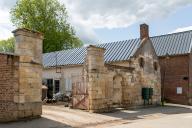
x,y
150,37
175,43
98,44
119,41
172,33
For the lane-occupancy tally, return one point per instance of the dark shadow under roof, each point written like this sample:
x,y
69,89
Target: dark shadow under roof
x,y
173,44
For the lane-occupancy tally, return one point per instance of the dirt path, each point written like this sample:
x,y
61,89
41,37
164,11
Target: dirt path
x,y
82,119
78,118
156,117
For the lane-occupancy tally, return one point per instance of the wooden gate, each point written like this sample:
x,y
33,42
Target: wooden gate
x,y
79,93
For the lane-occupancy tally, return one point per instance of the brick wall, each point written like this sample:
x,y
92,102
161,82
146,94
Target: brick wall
x,y
175,73
8,86
190,79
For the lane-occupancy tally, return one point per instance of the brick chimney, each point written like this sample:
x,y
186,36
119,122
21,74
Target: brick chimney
x,y
144,31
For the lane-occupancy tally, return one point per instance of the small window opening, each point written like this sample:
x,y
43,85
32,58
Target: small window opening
x,y
185,78
141,62
155,66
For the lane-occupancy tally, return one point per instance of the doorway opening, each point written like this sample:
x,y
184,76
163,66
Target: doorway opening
x,y
50,88
117,90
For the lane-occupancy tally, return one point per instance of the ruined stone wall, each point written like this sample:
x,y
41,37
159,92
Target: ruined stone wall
x,y
98,80
8,86
140,78
134,79
148,73
120,84
146,76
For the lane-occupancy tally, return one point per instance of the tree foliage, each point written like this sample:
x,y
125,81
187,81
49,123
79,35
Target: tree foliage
x,y
7,45
49,17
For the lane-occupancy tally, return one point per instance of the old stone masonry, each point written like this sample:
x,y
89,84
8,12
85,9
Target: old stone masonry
x,y
112,84
21,77
103,85
132,83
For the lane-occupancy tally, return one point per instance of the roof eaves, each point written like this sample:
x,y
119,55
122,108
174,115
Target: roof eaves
x,y
190,47
69,65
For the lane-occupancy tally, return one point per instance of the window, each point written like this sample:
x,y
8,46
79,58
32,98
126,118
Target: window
x,y
179,90
50,83
141,62
155,66
185,78
68,84
57,84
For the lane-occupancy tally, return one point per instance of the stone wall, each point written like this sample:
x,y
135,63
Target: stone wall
x,y
21,78
118,85
28,46
98,80
140,78
133,79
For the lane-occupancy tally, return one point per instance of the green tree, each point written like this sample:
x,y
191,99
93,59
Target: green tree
x,y
49,17
7,45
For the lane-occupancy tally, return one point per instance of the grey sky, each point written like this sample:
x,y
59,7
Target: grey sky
x,y
88,15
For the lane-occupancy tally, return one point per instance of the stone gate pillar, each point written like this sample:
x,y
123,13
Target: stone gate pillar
x,y
98,82
28,46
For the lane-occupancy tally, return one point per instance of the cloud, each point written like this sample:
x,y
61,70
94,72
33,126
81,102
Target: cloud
x,y
7,4
88,15
5,32
95,14
182,29
120,13
5,25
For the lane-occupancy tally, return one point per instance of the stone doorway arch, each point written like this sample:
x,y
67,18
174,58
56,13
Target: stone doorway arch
x,y
117,89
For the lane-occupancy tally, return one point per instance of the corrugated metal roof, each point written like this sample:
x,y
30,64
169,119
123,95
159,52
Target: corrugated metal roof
x,y
173,44
67,57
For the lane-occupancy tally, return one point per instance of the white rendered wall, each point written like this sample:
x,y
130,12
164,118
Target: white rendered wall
x,y
65,76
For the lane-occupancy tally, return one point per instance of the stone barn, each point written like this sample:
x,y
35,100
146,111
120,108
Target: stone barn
x,y
21,77
173,51
101,79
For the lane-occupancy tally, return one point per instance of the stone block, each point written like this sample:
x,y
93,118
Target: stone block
x,y
19,99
